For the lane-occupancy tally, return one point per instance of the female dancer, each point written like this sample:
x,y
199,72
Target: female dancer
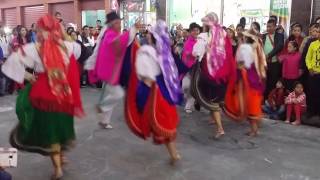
x,y
47,106
210,75
245,92
154,90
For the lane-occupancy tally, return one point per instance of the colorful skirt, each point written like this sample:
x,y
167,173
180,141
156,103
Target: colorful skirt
x,y
242,101
38,131
209,93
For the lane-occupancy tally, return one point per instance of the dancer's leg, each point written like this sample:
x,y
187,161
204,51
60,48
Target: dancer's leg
x,y
172,149
216,116
56,161
254,128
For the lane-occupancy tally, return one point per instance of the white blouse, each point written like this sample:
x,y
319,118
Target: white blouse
x,y
15,65
245,55
147,65
200,48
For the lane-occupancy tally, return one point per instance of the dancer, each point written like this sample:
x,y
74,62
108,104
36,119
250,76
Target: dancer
x,y
188,60
245,93
106,64
214,50
154,90
47,106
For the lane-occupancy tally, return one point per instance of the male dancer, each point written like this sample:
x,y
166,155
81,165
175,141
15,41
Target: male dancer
x,y
106,64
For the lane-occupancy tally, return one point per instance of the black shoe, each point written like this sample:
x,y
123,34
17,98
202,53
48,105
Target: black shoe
x,y
197,106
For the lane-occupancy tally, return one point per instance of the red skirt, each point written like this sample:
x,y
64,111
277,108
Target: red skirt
x,y
243,101
159,119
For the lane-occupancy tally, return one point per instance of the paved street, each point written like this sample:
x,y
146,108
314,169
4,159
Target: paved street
x,y
282,152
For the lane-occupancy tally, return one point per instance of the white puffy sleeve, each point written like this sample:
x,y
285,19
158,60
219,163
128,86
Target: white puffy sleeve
x,y
73,48
245,55
15,65
91,61
199,48
132,35
146,64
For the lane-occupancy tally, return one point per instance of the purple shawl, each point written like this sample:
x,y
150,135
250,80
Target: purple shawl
x,y
166,60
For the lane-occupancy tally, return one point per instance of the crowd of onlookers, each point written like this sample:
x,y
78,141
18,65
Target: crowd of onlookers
x,y
293,62
292,85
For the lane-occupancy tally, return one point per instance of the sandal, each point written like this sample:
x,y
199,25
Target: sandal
x,y
219,135
287,122
296,123
175,159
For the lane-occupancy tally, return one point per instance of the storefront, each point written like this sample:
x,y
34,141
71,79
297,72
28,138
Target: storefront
x,y
186,11
132,10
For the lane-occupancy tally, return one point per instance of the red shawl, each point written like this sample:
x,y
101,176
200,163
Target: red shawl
x,y
58,89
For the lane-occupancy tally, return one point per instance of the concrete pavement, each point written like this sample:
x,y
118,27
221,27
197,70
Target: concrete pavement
x,y
281,152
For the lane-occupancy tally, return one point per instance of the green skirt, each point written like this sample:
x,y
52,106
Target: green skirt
x,y
39,131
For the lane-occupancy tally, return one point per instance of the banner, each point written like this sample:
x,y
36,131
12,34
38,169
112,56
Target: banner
x,y
280,8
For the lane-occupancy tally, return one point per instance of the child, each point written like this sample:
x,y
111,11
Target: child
x,y
274,106
290,65
296,101
296,35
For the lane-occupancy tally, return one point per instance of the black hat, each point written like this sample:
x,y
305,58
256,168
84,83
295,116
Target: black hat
x,y
112,16
193,26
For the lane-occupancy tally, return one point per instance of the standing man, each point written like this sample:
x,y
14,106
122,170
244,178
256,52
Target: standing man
x,y
4,53
273,43
313,66
106,64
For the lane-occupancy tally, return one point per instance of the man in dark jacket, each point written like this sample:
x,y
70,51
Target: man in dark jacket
x,y
273,43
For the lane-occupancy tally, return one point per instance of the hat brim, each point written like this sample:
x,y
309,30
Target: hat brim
x,y
109,21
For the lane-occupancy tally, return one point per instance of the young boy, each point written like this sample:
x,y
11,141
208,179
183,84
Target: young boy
x,y
274,106
296,102
313,65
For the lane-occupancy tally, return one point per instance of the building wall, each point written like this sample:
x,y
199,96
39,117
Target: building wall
x,y
301,12
15,12
316,9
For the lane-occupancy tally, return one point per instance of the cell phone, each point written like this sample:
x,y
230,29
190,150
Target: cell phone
x,y
8,157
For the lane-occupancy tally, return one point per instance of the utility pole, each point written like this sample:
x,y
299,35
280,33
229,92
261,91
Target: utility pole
x,y
222,12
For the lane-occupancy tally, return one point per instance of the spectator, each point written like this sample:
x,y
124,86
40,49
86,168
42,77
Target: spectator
x,y
58,16
232,35
4,42
21,39
314,32
243,22
273,44
239,30
85,37
311,34
4,175
296,102
98,24
274,106
291,65
69,30
2,77
279,27
255,26
317,20
91,35
32,33
296,35
313,66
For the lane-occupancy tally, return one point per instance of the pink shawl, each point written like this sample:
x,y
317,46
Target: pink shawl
x,y
187,58
217,63
110,56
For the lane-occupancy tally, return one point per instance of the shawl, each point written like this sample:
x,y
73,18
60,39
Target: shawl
x,y
166,60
